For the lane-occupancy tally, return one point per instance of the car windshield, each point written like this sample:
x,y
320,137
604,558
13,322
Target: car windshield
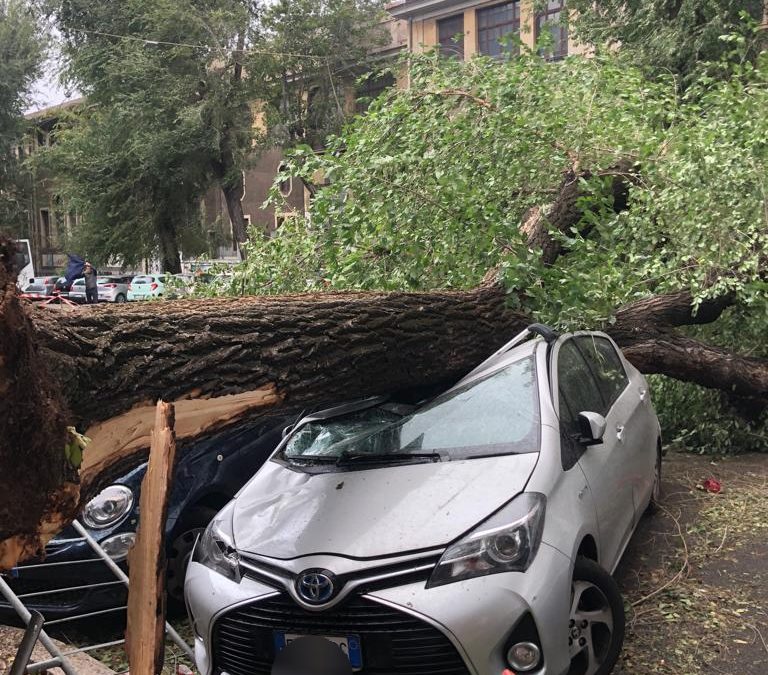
x,y
495,415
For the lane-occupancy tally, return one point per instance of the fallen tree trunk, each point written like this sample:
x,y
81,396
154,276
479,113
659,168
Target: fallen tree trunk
x,y
224,360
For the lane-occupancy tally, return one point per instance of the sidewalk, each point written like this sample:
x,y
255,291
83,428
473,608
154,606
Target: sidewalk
x,y
82,663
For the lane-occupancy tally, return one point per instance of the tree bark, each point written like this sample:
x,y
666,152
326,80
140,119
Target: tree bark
x,y
234,192
228,170
39,487
169,245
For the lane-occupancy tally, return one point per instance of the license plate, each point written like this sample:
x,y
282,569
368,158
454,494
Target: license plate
x,y
350,645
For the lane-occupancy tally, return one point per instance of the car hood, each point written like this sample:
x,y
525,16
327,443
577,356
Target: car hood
x,y
374,512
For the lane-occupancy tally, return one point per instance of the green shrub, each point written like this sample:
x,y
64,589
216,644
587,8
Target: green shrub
x,y
701,420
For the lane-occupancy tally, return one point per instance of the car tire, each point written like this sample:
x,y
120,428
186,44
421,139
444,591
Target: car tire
x,y
193,523
596,622
655,502
120,298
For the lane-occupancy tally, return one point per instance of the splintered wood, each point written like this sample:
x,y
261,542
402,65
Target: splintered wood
x,y
146,592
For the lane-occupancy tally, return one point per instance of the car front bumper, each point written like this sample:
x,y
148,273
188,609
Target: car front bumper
x,y
477,616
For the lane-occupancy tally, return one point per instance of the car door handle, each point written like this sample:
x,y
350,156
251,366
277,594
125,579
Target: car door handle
x,y
643,393
620,434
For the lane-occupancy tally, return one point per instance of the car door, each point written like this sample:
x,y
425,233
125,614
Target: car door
x,y
638,430
607,478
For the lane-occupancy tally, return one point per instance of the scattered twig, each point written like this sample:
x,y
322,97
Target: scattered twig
x,y
720,548
682,570
759,634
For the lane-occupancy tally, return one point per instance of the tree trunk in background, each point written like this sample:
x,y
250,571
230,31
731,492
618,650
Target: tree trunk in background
x,y
233,196
230,173
169,246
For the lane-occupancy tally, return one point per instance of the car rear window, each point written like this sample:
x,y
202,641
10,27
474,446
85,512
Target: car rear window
x,y
35,288
142,280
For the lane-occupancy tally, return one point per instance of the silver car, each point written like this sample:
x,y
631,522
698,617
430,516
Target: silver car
x,y
110,289
470,534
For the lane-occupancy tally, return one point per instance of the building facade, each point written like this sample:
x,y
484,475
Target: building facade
x,y
464,28
457,28
48,220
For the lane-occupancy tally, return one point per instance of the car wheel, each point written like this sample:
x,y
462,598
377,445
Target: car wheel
x,y
120,298
655,502
180,551
596,623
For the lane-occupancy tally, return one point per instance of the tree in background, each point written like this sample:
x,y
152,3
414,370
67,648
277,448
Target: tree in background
x,y
681,37
172,91
22,50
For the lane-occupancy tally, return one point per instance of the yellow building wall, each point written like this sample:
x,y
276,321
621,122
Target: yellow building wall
x,y
424,36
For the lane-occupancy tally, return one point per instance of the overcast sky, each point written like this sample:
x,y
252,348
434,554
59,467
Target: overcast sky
x,y
47,90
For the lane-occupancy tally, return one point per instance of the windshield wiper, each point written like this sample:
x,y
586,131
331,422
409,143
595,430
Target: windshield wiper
x,y
367,458
312,459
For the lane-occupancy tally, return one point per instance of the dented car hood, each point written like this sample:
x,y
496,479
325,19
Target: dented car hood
x,y
373,512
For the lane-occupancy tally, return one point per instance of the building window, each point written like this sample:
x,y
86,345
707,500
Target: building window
x,y
552,20
286,182
371,88
450,36
495,26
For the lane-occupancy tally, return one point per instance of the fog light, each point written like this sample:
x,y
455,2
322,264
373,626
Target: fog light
x,y
524,656
116,546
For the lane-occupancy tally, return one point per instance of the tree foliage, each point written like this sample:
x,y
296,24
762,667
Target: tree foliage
x,y
683,37
429,188
181,97
22,50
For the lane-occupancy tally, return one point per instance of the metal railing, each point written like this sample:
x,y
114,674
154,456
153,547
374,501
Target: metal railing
x,y
35,626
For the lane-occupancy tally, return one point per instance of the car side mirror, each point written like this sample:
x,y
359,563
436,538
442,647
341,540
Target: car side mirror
x,y
591,427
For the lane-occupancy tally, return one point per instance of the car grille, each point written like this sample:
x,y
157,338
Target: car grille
x,y
393,642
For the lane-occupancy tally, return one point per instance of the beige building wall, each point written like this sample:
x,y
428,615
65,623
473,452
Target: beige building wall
x,y
424,35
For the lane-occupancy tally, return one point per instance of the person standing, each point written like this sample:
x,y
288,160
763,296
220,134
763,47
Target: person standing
x,y
91,284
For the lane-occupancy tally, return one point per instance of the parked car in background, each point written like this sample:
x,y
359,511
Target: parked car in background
x,y
476,533
207,476
63,286
114,288
111,289
39,288
179,285
77,290
147,286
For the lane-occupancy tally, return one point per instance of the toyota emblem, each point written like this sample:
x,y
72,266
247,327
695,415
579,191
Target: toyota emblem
x,y
315,586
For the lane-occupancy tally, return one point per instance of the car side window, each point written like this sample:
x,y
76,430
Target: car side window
x,y
606,366
578,392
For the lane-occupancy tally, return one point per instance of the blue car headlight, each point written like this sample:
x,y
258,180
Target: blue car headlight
x,y
215,549
505,542
108,507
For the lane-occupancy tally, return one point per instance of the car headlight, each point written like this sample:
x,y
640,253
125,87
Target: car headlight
x,y
506,542
108,507
215,550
